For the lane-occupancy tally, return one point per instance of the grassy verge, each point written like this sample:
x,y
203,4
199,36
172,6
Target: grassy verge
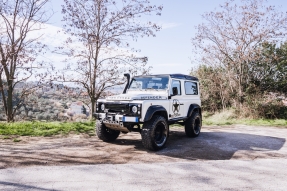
x,y
45,128
255,122
229,118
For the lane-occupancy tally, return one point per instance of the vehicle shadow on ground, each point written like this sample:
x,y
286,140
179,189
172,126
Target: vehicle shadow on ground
x,y
221,146
18,186
216,146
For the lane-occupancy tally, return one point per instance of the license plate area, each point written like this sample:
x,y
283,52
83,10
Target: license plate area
x,y
130,119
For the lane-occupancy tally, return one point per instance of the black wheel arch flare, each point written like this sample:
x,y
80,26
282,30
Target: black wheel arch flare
x,y
155,109
194,108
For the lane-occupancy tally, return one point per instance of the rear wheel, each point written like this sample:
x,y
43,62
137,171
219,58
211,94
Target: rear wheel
x,y
106,134
155,133
193,125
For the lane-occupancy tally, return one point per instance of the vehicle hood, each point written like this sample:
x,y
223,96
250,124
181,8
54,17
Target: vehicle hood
x,y
127,97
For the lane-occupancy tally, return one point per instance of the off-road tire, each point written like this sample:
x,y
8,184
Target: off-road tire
x,y
193,125
155,133
106,134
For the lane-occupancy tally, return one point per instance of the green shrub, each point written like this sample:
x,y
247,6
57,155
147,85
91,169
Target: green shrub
x,y
273,110
37,128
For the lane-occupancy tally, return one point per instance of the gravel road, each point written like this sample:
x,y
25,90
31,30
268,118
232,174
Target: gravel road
x,y
221,158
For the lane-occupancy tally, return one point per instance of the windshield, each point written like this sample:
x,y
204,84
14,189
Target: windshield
x,y
151,82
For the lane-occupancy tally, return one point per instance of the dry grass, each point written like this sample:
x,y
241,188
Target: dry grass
x,y
229,117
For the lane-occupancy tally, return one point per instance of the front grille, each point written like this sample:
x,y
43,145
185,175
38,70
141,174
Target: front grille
x,y
117,107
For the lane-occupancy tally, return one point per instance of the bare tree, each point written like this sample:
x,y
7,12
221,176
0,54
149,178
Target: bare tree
x,y
232,38
18,50
100,33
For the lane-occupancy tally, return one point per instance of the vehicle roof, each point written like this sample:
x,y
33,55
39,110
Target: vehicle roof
x,y
178,76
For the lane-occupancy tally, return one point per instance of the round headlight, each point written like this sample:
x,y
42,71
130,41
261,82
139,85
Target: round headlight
x,y
134,109
103,107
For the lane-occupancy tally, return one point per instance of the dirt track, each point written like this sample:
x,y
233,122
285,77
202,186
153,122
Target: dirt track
x,y
214,143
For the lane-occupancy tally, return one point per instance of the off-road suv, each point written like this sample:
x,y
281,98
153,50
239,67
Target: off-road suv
x,y
149,104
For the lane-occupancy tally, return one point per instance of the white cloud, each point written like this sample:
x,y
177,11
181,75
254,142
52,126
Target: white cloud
x,y
169,25
170,64
53,37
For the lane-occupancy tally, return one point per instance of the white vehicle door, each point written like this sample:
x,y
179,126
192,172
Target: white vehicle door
x,y
176,107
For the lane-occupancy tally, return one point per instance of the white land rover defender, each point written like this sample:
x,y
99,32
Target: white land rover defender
x,y
149,104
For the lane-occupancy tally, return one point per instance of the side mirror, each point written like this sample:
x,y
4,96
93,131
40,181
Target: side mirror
x,y
174,91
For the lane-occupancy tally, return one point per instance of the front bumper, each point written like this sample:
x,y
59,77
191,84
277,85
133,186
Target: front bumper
x,y
119,126
117,122
117,118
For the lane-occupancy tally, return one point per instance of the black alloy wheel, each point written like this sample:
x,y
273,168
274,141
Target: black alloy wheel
x,y
160,134
106,134
155,133
193,125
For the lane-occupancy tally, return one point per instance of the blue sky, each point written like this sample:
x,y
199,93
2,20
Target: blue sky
x,y
171,50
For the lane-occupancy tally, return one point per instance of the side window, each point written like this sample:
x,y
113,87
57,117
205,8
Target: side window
x,y
136,85
191,88
175,83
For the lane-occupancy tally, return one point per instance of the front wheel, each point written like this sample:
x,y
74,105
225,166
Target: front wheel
x,y
155,133
106,134
193,125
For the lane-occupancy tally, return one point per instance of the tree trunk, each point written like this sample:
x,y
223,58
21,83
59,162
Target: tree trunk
x,y
10,116
93,102
3,95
